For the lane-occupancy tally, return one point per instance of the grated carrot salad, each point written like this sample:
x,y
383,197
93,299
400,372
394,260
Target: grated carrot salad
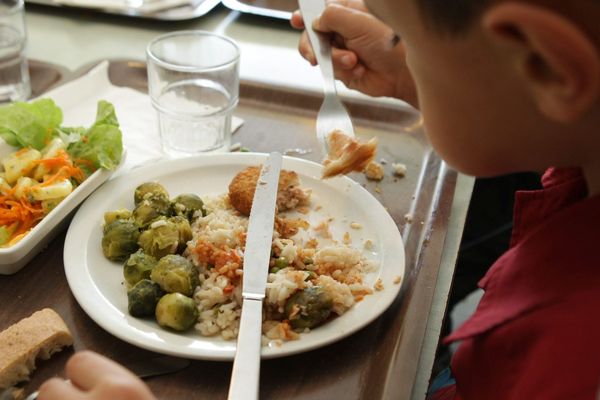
x,y
19,215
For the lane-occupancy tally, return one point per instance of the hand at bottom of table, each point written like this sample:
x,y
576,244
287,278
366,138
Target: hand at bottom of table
x,y
95,377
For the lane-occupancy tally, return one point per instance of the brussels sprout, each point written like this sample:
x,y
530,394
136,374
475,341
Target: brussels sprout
x,y
308,308
138,266
176,274
143,297
176,311
185,205
151,209
121,213
184,229
149,189
160,239
120,239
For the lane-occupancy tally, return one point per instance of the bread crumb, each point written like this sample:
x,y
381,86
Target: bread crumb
x,y
318,208
408,218
377,189
355,225
374,171
368,244
378,285
399,169
397,280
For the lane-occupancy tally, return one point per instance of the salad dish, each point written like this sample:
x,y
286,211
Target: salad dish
x,y
46,170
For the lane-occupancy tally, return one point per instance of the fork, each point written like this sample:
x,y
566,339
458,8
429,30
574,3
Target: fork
x,y
332,115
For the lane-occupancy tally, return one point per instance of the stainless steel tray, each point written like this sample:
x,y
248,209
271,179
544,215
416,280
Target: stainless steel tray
x,y
197,9
269,8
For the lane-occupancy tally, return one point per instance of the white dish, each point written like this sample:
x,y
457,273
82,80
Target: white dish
x,y
15,257
97,283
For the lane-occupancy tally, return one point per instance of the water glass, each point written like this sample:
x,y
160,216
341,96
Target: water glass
x,y
14,73
193,81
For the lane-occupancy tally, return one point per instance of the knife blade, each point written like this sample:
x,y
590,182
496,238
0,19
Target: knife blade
x,y
246,365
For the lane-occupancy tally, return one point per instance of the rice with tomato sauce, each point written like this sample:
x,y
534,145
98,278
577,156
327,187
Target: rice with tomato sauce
x,y
217,250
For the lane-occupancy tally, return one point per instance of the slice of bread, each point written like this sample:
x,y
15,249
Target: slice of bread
x,y
38,336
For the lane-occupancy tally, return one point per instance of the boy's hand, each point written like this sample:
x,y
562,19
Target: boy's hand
x,y
94,377
366,54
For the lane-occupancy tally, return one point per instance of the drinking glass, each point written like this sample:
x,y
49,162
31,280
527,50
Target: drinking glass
x,y
193,81
14,73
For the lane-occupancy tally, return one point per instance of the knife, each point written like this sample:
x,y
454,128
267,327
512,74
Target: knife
x,y
246,365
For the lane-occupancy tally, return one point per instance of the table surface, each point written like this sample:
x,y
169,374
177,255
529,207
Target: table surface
x,y
73,38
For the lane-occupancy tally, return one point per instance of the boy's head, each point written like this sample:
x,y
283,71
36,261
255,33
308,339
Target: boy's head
x,y
503,85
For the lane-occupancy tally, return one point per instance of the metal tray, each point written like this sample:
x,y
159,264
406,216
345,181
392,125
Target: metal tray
x,y
379,361
269,8
44,76
197,9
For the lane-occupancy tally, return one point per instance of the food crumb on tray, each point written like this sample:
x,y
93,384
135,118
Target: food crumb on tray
x,y
374,171
399,170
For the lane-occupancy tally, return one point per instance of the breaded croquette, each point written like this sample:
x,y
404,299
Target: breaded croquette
x,y
289,194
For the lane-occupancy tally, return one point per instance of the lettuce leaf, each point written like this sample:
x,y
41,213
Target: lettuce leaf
x,y
35,124
102,143
30,124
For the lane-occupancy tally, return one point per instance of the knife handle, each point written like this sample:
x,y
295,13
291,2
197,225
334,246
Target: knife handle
x,y
246,365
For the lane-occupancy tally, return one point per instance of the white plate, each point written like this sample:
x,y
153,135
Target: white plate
x,y
13,258
98,286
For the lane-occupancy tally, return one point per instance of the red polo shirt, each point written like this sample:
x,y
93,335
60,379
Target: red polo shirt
x,y
536,331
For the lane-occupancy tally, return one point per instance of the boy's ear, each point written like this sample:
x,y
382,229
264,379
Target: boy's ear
x,y
558,62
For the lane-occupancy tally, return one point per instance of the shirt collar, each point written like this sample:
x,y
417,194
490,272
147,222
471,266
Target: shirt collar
x,y
553,252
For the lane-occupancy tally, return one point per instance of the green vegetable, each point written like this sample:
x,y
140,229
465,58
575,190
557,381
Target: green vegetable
x,y
121,213
35,124
176,311
149,189
281,263
151,209
119,239
186,205
176,274
308,308
143,297
29,124
5,233
184,229
102,143
138,266
161,239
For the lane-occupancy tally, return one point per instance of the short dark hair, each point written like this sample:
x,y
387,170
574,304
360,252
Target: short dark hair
x,y
454,16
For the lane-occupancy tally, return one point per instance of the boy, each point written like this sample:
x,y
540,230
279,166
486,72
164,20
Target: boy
x,y
504,86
